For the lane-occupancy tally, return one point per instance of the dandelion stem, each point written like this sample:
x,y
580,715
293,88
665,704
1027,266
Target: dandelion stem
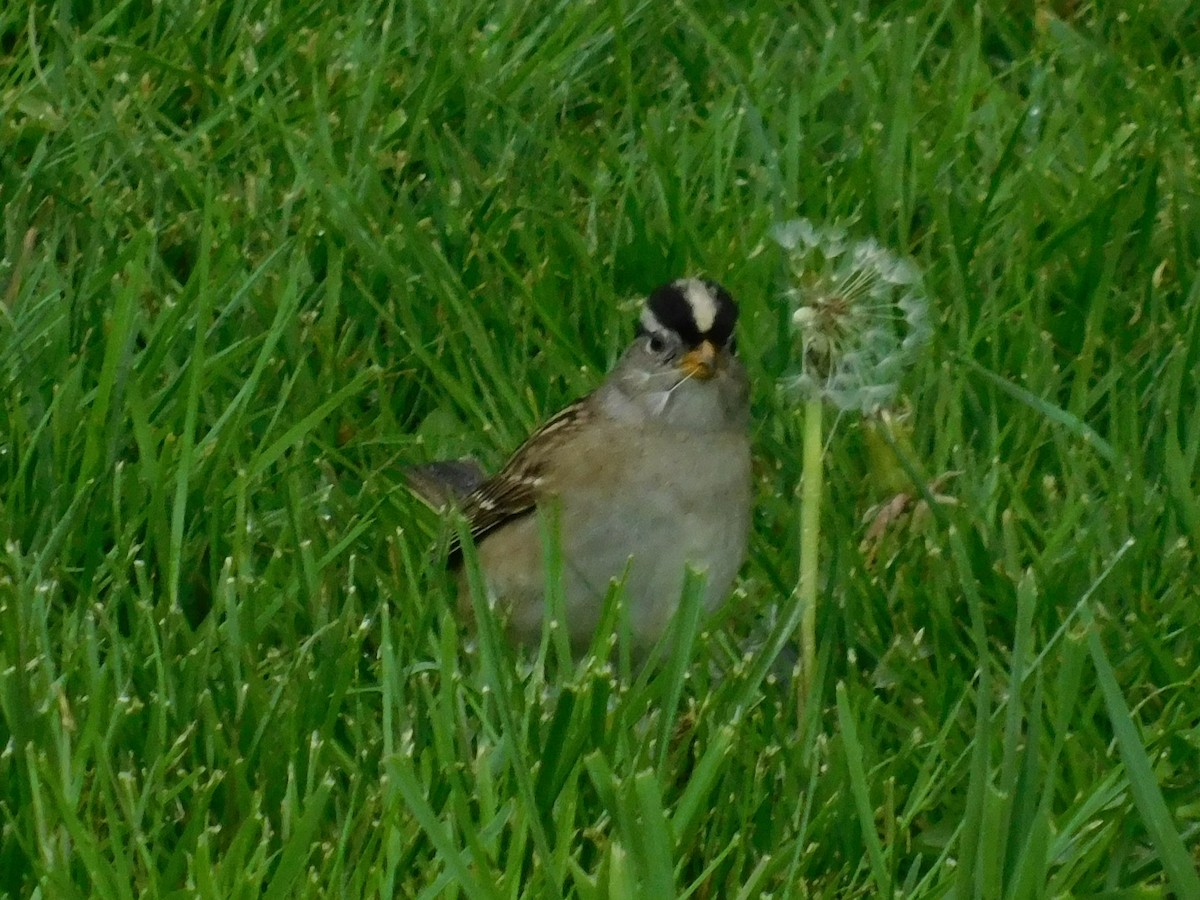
x,y
812,476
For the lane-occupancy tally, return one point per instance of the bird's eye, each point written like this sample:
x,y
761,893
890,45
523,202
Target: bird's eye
x,y
656,344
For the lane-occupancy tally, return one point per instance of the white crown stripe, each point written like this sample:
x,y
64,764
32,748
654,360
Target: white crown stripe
x,y
650,321
702,302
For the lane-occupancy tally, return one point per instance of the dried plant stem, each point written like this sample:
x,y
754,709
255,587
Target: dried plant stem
x,y
812,477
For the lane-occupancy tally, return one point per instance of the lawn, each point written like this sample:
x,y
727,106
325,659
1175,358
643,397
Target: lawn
x,y
257,256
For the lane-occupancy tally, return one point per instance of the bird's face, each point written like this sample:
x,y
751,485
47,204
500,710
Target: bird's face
x,y
681,366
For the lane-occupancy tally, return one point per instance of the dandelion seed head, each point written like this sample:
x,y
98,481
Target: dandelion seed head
x,y
858,316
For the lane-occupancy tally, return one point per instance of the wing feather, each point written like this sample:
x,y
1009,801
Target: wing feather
x,y
515,490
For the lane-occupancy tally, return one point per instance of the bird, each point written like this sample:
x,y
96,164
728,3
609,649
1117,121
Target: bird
x,y
650,474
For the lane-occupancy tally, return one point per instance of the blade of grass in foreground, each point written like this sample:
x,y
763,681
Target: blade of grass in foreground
x,y
1146,794
973,850
268,455
206,300
862,799
300,844
1054,413
687,626
401,770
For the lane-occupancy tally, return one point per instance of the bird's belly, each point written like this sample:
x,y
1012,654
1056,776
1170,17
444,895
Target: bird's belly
x,y
648,538
634,532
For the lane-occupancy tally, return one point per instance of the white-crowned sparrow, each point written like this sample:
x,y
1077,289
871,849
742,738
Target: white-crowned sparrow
x,y
651,473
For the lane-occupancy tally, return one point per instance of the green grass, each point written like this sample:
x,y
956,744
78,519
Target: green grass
x,y
257,256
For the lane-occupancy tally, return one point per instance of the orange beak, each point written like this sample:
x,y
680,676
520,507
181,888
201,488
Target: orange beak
x,y
701,362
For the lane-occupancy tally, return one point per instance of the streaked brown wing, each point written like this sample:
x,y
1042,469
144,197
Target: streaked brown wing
x,y
515,490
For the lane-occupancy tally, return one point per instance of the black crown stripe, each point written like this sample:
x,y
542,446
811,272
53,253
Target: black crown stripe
x,y
670,306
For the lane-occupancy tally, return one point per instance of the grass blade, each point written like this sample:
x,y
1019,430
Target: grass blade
x,y
1172,852
880,873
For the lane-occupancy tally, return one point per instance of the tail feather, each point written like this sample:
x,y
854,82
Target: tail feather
x,y
445,483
